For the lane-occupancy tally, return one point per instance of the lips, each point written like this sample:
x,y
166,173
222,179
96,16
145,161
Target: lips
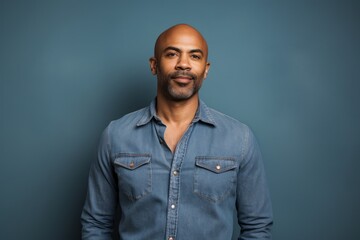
x,y
183,77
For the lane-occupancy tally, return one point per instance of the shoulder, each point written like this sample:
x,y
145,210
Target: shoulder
x,y
127,122
233,133
224,120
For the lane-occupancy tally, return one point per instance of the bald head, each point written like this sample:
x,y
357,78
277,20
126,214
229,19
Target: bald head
x,y
179,33
180,63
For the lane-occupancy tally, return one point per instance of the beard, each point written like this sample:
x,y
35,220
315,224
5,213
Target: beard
x,y
178,91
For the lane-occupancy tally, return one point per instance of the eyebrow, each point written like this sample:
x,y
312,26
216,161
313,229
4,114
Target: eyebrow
x,y
179,50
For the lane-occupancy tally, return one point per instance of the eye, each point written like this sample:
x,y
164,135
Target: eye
x,y
170,54
196,56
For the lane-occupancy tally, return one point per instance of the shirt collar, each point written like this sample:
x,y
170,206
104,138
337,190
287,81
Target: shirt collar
x,y
203,114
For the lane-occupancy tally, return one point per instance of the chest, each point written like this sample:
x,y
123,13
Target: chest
x,y
173,135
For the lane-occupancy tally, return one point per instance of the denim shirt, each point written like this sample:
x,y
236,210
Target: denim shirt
x,y
193,193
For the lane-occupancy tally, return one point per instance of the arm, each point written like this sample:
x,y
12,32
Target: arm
x,y
253,203
97,217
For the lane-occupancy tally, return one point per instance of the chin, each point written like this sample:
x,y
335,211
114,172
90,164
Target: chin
x,y
176,96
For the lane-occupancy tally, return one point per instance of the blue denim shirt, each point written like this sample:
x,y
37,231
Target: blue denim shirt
x,y
216,170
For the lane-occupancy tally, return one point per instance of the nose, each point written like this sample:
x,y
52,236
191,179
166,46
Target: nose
x,y
183,63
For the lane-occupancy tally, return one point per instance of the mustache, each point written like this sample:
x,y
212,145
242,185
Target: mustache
x,y
180,73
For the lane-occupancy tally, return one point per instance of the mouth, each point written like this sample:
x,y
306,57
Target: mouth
x,y
182,79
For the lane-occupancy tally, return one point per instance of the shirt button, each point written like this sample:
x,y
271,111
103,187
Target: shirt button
x,y
175,173
131,165
173,206
171,238
218,167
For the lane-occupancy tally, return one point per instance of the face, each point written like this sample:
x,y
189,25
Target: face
x,y
180,63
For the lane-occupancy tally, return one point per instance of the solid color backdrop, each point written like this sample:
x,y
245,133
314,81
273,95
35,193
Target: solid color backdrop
x,y
288,69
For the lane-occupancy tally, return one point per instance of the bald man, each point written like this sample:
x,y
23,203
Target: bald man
x,y
177,169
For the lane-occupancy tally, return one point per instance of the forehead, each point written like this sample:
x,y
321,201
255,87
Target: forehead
x,y
182,38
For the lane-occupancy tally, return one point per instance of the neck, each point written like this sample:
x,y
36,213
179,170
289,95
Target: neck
x,y
177,112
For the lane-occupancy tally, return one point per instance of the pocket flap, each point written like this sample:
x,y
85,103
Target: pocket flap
x,y
132,162
216,165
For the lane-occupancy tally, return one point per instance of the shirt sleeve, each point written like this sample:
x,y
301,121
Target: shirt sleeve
x,y
98,213
253,202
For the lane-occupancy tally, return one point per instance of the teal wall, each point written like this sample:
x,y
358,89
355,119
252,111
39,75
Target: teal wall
x,y
289,69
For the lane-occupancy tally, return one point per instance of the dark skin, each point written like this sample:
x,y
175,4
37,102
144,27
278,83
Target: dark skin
x,y
180,63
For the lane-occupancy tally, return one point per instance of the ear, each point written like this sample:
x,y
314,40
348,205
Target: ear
x,y
207,68
153,62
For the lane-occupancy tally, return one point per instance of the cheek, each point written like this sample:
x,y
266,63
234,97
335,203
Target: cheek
x,y
202,74
200,68
168,64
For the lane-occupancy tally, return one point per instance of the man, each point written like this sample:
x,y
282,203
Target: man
x,y
177,169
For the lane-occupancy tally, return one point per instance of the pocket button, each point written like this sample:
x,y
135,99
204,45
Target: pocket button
x,y
131,165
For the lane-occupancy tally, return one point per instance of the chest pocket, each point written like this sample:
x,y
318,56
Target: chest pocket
x,y
214,178
134,174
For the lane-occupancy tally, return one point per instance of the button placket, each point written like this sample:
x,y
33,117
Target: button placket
x,y
174,185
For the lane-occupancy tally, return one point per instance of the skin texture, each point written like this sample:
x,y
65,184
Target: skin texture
x,y
180,64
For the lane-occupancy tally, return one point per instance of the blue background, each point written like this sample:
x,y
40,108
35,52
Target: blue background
x,y
288,69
